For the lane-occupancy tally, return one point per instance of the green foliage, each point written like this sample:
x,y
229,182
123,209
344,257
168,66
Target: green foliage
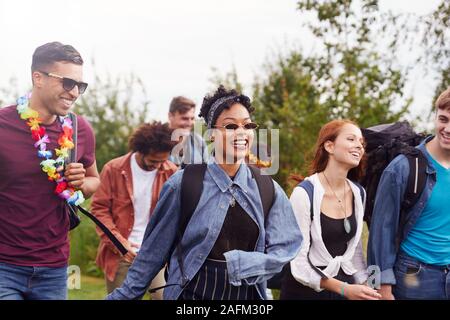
x,y
229,80
444,83
349,79
436,41
288,100
92,288
114,107
83,246
436,35
425,38
9,94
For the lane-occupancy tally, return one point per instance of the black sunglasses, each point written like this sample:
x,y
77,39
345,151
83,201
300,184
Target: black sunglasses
x,y
234,126
68,84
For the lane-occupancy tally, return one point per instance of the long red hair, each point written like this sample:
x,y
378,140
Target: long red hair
x,y
329,132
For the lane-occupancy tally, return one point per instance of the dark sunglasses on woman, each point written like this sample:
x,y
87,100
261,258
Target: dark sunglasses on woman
x,y
235,126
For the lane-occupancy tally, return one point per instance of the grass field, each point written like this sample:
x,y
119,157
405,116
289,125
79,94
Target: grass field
x,y
92,288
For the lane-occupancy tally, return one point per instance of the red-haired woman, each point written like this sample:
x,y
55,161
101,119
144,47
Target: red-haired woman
x,y
330,264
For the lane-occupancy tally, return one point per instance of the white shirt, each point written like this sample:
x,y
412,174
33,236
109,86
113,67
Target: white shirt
x,y
142,198
352,261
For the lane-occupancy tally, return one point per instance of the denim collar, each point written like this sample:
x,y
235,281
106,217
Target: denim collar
x,y
422,147
222,179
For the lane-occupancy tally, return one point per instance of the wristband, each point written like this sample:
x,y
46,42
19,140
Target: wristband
x,y
343,289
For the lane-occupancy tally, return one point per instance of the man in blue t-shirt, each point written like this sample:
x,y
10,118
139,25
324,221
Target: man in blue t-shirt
x,y
419,267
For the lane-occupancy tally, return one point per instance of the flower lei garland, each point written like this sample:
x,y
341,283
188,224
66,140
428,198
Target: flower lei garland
x,y
50,166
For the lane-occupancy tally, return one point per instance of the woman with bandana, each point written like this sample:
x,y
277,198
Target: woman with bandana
x,y
229,248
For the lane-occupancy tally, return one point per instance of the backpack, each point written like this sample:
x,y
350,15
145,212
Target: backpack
x,y
191,191
384,143
309,188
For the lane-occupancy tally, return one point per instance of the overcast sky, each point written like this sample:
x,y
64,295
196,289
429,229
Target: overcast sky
x,y
172,45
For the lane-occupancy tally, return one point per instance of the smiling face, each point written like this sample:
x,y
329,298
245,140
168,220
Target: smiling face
x,y
442,129
52,96
152,160
347,149
233,145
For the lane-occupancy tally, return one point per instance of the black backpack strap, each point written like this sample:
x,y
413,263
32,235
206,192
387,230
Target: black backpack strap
x,y
266,190
105,229
417,179
73,152
309,188
72,157
73,209
191,191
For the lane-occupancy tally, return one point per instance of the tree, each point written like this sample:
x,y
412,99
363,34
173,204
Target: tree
x,y
114,107
9,94
436,39
348,78
425,38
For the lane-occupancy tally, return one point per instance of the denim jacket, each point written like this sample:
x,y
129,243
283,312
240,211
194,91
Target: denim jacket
x,y
382,247
279,237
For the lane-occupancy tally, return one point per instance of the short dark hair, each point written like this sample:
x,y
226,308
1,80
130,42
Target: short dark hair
x,y
443,101
152,137
222,92
181,104
52,52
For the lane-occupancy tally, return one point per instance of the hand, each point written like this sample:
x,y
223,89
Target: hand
x,y
75,175
360,292
386,292
131,254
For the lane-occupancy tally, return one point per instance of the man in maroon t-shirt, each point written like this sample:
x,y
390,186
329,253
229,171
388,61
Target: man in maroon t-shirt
x,y
34,224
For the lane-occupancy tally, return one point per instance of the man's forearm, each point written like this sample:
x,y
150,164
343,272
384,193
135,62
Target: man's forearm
x,y
90,185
